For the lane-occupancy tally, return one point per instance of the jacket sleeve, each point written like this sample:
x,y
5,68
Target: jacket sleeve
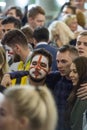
x,y
18,74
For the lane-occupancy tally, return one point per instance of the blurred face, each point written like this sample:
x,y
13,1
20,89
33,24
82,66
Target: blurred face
x,y
12,12
81,45
67,10
64,61
8,120
73,74
39,67
7,27
1,33
9,52
12,53
73,25
38,21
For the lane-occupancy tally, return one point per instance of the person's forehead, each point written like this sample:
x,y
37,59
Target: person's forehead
x,y
39,57
63,55
8,25
40,16
82,37
12,11
67,10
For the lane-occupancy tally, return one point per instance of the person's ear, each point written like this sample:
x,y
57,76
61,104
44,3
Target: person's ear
x,y
17,48
24,123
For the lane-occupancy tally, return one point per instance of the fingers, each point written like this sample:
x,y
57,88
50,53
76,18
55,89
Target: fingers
x,y
84,85
82,92
6,81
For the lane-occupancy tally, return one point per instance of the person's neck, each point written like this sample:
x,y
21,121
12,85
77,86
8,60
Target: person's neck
x,y
25,55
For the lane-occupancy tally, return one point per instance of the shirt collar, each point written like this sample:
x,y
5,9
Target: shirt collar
x,y
40,43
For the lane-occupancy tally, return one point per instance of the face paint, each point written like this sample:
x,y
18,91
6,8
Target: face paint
x,y
39,67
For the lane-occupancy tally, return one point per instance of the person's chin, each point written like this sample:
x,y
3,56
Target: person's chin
x,y
37,79
74,84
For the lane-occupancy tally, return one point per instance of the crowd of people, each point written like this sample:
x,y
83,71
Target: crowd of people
x,y
43,69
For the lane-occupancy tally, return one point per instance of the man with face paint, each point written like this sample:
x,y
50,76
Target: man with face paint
x,y
40,66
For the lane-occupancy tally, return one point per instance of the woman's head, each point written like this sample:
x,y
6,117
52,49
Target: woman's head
x,y
30,108
78,72
58,30
71,21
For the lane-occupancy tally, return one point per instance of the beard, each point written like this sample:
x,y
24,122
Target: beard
x,y
36,80
17,58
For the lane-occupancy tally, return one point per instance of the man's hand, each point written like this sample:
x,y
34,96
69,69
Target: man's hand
x,y
82,92
6,80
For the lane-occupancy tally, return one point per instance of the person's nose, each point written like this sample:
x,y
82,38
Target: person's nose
x,y
59,64
71,74
37,67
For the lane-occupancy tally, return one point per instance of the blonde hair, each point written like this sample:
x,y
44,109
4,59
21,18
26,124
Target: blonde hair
x,y
37,104
68,19
3,62
62,30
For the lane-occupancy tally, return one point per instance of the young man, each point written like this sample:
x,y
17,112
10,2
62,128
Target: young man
x,y
81,43
40,66
36,17
9,23
15,11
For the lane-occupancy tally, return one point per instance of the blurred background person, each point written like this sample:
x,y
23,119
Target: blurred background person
x,y
36,17
3,63
28,108
29,35
60,34
14,11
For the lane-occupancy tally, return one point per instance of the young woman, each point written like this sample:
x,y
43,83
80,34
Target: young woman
x,y
76,106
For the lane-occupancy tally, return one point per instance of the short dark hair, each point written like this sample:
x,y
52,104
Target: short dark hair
x,y
13,37
72,49
17,10
11,19
28,32
41,34
43,52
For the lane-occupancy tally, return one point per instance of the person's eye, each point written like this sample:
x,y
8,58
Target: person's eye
x,y
85,43
78,43
43,65
75,71
64,61
2,113
3,30
34,63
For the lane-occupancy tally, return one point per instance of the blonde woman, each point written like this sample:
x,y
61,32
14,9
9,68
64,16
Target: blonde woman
x,y
27,108
60,33
72,22
3,63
